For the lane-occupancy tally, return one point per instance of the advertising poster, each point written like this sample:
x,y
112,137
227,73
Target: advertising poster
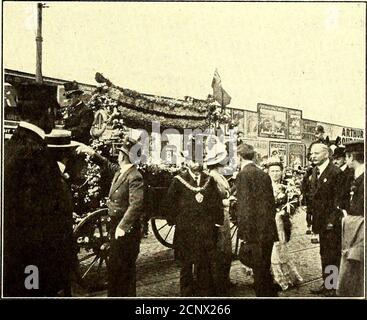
x,y
278,149
238,117
294,124
250,124
272,121
296,155
261,146
308,132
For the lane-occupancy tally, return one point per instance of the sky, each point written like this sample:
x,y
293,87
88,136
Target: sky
x,y
308,56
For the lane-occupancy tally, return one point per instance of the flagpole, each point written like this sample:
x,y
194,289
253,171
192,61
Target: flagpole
x,y
222,101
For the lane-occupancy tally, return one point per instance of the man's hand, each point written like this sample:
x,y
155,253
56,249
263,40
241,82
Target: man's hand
x,y
119,233
85,149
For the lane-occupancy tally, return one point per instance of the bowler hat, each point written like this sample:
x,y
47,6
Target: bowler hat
x,y
71,87
354,146
339,152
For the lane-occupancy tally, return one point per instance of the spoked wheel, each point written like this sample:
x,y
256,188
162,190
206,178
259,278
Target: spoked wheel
x,y
235,240
92,242
163,232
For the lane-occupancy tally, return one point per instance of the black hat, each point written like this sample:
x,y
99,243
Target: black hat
x,y
71,87
320,129
33,100
34,92
354,146
339,152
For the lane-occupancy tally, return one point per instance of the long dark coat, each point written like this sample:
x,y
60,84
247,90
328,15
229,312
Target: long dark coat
x,y
324,199
195,232
256,206
37,217
346,179
80,122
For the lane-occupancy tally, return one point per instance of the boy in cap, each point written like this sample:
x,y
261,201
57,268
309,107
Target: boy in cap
x,y
347,175
351,272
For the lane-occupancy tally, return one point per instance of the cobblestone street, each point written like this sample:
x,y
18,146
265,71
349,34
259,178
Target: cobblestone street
x,y
158,274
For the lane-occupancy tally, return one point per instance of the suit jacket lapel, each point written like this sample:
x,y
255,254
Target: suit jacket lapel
x,y
119,179
320,181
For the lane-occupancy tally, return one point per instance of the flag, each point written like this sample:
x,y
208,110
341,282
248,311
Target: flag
x,y
219,93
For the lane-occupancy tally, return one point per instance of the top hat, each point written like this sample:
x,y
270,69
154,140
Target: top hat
x,y
71,87
33,100
59,138
34,92
354,146
339,152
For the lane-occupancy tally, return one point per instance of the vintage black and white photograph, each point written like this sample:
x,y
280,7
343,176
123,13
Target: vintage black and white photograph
x,y
183,149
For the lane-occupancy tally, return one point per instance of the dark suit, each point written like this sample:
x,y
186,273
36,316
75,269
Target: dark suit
x,y
323,202
125,207
346,179
37,217
356,207
195,233
256,223
80,122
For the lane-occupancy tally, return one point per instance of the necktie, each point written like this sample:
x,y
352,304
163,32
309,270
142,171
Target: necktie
x,y
317,172
314,177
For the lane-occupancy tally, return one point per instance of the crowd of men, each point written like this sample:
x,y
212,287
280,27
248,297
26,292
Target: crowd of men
x,y
38,211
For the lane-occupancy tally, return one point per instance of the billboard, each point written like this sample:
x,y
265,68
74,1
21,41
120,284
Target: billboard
x,y
296,155
278,149
308,132
294,124
261,146
250,124
239,117
273,121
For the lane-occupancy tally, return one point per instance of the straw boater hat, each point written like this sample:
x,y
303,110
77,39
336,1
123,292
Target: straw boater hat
x,y
59,138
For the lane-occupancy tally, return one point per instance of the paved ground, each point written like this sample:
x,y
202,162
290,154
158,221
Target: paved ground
x,y
158,274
